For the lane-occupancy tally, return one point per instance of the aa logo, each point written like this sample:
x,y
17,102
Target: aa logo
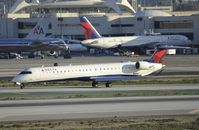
x,y
38,30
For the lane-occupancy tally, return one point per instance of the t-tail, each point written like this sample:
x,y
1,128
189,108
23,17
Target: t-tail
x,y
89,31
158,56
39,31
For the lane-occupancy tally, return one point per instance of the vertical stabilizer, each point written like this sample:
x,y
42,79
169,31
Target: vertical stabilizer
x,y
89,31
40,30
158,56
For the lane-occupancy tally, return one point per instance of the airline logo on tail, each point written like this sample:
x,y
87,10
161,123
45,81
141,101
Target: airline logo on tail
x,y
89,31
158,56
38,30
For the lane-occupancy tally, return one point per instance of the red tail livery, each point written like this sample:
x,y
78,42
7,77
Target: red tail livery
x,y
158,56
89,31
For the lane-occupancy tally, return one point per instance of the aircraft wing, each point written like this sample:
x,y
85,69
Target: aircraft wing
x,y
155,45
114,77
49,44
73,41
38,44
171,47
146,44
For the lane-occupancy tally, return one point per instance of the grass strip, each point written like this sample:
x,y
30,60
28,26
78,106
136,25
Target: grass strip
x,y
114,123
171,80
93,94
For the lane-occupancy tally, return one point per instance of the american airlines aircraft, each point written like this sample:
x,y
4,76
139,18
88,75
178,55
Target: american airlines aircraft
x,y
35,41
107,72
94,39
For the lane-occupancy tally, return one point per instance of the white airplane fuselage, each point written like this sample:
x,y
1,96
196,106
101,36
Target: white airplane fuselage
x,y
91,72
133,41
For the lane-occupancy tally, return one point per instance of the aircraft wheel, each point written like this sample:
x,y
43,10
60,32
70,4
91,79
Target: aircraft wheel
x,y
42,56
108,85
94,84
22,86
56,56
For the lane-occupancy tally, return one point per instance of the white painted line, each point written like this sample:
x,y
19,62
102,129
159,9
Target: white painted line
x,y
193,111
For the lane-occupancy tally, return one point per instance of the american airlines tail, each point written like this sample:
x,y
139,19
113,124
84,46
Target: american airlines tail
x,y
89,31
39,31
158,56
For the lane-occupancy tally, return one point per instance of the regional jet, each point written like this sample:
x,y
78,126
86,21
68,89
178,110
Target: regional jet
x,y
107,72
35,41
94,39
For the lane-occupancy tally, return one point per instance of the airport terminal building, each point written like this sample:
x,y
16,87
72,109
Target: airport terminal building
x,y
64,20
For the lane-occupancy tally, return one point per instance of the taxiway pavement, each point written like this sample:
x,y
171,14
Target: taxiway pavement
x,y
98,108
116,88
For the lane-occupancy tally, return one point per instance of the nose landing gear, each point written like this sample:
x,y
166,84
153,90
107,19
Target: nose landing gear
x,y
22,86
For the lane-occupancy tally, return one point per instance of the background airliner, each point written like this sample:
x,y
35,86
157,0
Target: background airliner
x,y
35,41
94,39
93,72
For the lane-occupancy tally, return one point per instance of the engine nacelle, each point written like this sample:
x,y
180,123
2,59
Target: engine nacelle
x,y
143,65
52,53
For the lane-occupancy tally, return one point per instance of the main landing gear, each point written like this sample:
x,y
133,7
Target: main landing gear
x,y
108,84
22,86
95,84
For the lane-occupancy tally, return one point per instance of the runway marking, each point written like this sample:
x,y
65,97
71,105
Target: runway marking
x,y
193,111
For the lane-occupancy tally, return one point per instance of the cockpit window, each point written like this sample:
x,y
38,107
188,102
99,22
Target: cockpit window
x,y
26,72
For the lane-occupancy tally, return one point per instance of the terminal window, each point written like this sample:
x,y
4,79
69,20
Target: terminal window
x,y
122,25
173,24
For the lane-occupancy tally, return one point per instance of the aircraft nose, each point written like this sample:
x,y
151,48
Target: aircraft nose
x,y
15,79
83,42
189,42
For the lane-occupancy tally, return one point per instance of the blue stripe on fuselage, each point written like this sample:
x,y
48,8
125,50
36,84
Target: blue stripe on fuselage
x,y
15,42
